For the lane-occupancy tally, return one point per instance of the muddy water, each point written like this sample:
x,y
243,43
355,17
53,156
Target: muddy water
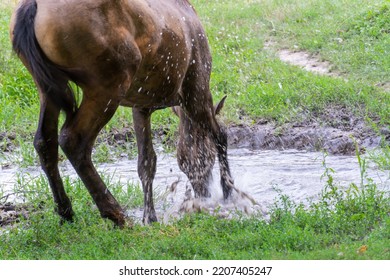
x,y
260,174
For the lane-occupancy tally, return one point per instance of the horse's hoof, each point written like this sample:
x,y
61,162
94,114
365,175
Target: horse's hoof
x,y
66,215
150,219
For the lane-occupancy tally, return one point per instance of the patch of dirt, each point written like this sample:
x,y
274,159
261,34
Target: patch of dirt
x,y
385,86
5,142
312,63
11,214
306,61
334,131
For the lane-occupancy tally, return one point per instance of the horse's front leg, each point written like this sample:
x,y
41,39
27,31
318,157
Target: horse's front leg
x,y
146,160
46,145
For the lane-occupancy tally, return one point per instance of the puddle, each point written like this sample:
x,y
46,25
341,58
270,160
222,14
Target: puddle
x,y
261,174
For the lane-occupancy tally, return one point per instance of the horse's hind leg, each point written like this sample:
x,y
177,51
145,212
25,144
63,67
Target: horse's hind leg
x,y
46,145
146,160
77,138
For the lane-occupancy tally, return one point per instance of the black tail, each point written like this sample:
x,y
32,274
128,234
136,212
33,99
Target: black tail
x,y
51,79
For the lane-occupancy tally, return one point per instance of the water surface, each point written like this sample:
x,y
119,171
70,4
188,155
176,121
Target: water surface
x,y
260,174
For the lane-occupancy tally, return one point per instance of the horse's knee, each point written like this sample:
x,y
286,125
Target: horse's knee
x,y
64,140
71,145
40,144
47,150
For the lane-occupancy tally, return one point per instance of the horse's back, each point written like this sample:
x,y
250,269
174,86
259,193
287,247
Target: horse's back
x,y
144,45
69,30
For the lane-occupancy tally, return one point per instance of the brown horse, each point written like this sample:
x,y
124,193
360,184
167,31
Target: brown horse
x,y
144,54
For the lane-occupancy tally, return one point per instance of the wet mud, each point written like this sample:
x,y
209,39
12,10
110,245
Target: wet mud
x,y
336,139
11,213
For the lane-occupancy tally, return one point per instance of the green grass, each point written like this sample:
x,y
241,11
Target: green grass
x,y
352,35
344,219
259,85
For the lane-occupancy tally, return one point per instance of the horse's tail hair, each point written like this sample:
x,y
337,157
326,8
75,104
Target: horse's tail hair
x,y
50,78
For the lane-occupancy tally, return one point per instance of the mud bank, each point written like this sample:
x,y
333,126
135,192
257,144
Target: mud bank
x,y
306,137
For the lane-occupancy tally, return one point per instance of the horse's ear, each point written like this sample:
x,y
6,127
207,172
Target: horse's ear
x,y
219,106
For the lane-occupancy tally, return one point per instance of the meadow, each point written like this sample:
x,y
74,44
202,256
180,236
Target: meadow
x,y
348,222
